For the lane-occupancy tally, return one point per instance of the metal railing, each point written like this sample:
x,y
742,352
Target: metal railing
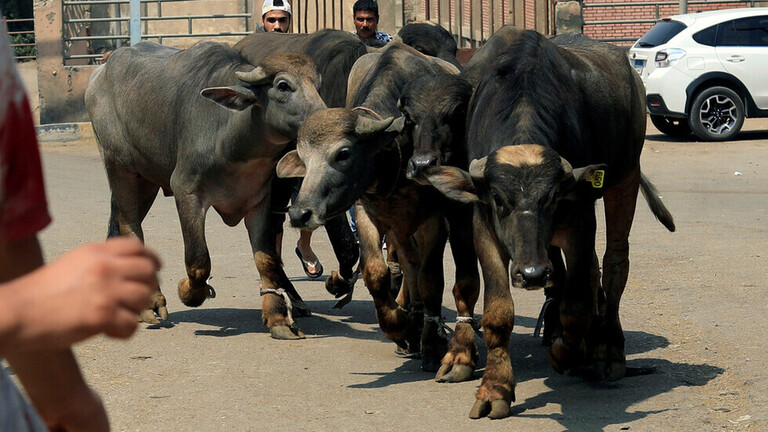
x,y
19,44
92,27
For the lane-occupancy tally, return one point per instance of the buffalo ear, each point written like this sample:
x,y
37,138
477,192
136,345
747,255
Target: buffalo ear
x,y
291,166
585,183
452,182
234,97
382,132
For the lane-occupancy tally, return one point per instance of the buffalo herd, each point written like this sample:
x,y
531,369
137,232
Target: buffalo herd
x,y
504,158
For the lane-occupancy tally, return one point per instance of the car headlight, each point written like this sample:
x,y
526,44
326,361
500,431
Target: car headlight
x,y
666,57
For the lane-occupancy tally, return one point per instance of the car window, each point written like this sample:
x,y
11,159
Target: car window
x,y
752,31
706,36
660,34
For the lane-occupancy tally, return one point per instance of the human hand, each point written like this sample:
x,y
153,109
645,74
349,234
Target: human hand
x,y
96,288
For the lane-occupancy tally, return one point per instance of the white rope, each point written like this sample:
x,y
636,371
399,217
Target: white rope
x,y
471,321
282,293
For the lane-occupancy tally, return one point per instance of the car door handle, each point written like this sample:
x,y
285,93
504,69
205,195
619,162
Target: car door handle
x,y
735,59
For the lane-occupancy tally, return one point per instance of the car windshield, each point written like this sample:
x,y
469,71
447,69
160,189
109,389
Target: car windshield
x,y
660,34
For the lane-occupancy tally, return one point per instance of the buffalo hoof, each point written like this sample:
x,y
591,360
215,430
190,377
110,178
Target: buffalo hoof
x,y
194,297
339,286
284,332
495,409
156,309
563,357
453,373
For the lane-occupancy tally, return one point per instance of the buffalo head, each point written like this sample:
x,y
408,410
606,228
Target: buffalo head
x,y
336,154
284,86
435,111
519,189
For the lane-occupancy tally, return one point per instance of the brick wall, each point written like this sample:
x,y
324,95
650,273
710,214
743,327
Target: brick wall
x,y
625,34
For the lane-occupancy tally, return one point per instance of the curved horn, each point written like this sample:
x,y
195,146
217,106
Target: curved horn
x,y
365,126
256,76
477,168
567,168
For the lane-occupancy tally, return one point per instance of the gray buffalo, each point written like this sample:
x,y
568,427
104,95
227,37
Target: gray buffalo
x,y
218,150
542,109
360,154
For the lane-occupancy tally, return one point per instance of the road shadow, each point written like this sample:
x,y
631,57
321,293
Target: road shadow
x,y
236,321
586,405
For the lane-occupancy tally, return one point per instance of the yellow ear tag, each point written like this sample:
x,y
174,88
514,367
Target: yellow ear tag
x,y
597,179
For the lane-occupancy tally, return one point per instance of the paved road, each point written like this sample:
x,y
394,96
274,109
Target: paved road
x,y
694,309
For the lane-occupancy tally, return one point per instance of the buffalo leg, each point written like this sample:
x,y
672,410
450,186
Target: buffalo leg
x,y
497,388
393,319
276,289
194,289
431,282
459,362
132,197
578,302
347,252
620,202
408,296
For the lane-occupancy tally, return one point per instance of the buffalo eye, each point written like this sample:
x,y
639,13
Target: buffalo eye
x,y
497,200
343,155
283,86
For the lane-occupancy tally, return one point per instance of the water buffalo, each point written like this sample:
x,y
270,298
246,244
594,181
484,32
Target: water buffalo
x,y
544,108
487,54
430,39
334,52
218,150
360,153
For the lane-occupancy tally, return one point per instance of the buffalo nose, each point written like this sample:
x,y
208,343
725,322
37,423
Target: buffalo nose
x,y
532,277
299,216
417,164
533,272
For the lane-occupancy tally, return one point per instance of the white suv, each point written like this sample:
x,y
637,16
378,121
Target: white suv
x,y
705,72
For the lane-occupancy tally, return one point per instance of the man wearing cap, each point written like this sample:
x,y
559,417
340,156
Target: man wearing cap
x,y
276,16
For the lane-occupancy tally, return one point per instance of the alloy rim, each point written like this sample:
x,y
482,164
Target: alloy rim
x,y
718,114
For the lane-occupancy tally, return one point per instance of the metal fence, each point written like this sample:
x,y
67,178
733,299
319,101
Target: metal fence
x,y
22,40
93,27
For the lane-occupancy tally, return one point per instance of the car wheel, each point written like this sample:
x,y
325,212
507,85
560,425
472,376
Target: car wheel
x,y
717,114
674,127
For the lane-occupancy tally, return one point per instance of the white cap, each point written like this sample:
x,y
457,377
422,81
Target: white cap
x,y
275,5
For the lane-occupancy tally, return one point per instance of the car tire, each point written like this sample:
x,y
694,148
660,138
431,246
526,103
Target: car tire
x,y
717,114
674,127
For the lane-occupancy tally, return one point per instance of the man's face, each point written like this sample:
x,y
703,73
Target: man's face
x,y
366,22
276,21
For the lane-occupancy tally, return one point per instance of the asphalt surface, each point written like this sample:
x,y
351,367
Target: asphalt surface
x,y
693,311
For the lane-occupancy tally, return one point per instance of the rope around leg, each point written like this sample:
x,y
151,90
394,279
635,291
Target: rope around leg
x,y
282,293
471,321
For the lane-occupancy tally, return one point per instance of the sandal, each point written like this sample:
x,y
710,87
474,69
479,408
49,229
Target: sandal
x,y
305,264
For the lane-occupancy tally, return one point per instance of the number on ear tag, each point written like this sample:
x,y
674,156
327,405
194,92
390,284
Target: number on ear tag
x,y
597,179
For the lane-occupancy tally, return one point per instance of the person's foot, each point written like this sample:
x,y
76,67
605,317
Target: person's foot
x,y
312,266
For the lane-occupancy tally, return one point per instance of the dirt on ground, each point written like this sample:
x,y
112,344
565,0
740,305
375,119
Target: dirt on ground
x,y
693,312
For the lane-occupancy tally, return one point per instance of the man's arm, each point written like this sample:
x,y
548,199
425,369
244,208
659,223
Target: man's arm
x,y
51,377
97,288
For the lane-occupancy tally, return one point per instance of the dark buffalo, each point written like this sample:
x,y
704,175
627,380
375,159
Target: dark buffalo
x,y
487,54
430,39
543,108
155,131
360,154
